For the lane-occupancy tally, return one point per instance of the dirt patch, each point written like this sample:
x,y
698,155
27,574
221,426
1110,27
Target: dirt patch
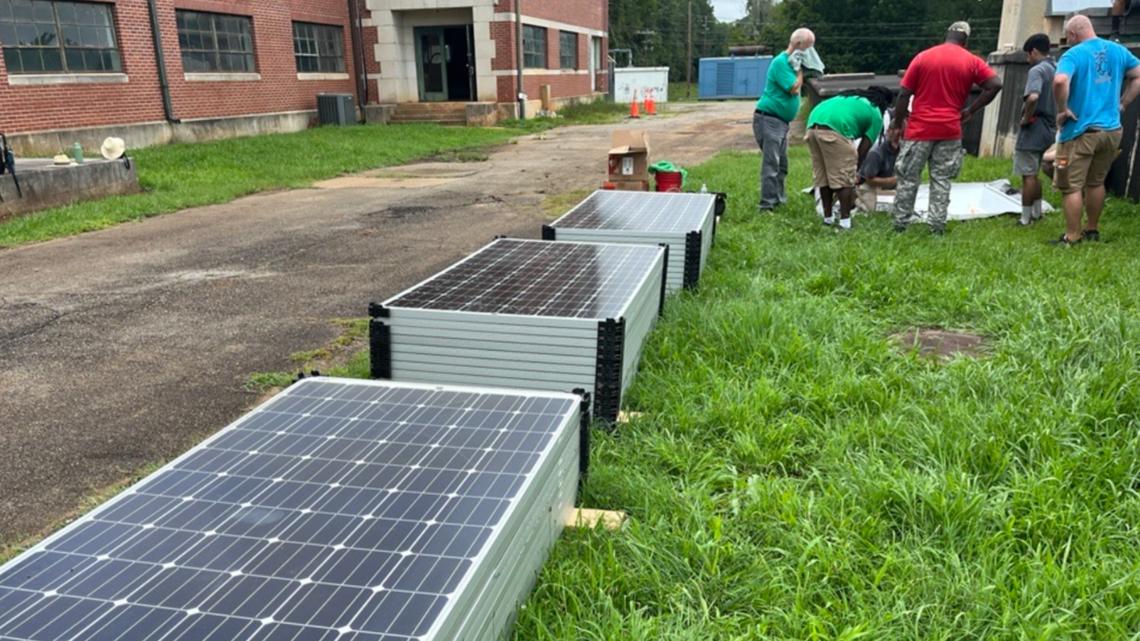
x,y
461,156
366,182
402,212
942,344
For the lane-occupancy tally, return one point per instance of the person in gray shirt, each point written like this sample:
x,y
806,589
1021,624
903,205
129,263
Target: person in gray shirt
x,y
1038,125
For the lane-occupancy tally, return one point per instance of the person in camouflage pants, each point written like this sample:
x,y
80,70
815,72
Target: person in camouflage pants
x,y
945,158
939,80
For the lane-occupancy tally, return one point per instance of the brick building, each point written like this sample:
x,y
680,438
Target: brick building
x,y
85,69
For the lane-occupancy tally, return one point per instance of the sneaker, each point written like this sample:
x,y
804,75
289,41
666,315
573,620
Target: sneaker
x,y
1064,242
900,229
1091,235
829,221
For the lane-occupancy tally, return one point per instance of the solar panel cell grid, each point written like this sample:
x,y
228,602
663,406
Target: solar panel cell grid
x,y
639,212
336,511
568,280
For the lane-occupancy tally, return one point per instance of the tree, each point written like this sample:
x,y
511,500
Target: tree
x,y
657,32
751,26
881,36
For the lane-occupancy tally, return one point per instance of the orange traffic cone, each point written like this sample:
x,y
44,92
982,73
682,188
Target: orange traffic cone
x,y
633,110
650,104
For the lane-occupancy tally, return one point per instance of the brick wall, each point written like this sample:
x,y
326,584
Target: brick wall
x,y
574,14
70,106
66,106
561,86
592,14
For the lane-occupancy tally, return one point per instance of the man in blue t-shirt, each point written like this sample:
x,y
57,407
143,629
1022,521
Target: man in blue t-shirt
x,y
1087,88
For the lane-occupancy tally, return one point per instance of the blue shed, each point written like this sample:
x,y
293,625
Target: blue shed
x,y
733,78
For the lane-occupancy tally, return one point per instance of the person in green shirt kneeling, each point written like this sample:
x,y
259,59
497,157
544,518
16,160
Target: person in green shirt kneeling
x,y
835,126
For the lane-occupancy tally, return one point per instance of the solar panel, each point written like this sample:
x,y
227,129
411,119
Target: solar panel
x,y
639,211
686,223
529,315
534,278
347,510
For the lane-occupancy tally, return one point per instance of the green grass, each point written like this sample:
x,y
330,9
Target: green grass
x,y
176,177
599,112
796,477
679,92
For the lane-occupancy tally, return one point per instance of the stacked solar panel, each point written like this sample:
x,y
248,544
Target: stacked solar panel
x,y
686,223
529,315
347,510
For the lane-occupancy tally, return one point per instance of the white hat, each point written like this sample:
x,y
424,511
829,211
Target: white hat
x,y
113,148
961,27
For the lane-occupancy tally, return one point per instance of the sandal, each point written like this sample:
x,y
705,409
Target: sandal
x,y
1064,242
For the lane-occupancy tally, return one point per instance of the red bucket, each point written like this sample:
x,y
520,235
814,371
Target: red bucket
x,y
669,180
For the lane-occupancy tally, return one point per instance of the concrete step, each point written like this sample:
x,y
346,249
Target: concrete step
x,y
432,108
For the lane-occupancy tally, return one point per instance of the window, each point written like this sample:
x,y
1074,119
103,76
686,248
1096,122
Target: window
x,y
568,49
319,48
215,42
52,36
534,47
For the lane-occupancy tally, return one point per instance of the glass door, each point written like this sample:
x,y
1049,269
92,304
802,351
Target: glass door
x,y
431,63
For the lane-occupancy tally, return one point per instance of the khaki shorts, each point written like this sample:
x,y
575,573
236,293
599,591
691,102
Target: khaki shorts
x,y
1090,157
834,160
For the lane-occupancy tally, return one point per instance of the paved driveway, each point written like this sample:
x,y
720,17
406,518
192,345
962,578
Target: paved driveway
x,y
125,347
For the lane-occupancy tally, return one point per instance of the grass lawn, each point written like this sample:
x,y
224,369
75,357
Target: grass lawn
x,y
679,92
176,177
599,112
796,477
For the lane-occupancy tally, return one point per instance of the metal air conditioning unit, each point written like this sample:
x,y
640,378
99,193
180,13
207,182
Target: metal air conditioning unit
x,y
336,109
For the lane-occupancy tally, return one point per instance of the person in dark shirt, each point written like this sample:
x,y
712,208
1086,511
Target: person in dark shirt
x,y
1038,125
877,173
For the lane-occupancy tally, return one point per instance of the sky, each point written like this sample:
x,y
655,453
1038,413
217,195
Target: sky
x,y
727,10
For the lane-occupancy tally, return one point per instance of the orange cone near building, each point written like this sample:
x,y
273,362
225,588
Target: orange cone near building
x,y
634,112
650,104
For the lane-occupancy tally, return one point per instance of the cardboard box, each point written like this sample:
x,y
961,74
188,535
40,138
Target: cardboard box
x,y
629,156
630,185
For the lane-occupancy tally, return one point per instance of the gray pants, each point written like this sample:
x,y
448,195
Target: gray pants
x,y
945,159
772,136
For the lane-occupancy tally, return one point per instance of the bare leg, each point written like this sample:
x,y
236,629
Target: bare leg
x,y
846,202
1074,203
827,197
1030,190
1094,202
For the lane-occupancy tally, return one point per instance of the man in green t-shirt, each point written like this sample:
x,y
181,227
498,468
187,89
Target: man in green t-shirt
x,y
834,128
775,111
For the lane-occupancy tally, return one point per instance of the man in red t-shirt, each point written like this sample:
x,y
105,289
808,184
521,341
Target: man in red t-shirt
x,y
939,79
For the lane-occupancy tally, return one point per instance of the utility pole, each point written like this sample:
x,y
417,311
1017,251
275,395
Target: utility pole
x,y
519,59
689,60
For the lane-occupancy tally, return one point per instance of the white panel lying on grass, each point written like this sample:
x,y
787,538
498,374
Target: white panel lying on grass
x,y
968,201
